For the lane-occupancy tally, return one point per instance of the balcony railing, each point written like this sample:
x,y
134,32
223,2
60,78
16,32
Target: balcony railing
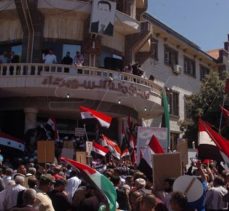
x,y
34,69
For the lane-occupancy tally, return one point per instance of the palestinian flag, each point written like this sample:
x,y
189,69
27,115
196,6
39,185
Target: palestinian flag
x,y
11,142
103,183
212,145
87,113
97,148
113,146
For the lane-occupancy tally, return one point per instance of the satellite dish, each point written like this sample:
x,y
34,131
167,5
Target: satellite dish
x,y
190,186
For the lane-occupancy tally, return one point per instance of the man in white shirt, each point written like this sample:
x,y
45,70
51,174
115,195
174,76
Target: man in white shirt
x,y
50,58
11,194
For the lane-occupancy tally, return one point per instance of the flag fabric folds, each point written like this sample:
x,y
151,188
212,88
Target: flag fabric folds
x,y
97,148
87,113
113,147
102,182
52,123
155,146
125,153
225,112
211,144
9,141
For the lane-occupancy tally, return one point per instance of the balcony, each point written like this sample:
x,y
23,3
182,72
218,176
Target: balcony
x,y
89,83
126,24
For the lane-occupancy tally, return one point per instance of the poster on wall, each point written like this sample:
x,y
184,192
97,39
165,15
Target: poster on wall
x,y
103,17
144,136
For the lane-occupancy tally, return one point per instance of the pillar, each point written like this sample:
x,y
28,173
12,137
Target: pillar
x,y
30,118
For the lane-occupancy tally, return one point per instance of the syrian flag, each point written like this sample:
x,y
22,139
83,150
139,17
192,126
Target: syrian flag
x,y
125,153
155,146
113,147
99,149
102,183
145,162
52,123
9,141
225,112
132,141
211,145
87,113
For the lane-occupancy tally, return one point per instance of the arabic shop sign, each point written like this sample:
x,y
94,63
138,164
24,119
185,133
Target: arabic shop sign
x,y
73,83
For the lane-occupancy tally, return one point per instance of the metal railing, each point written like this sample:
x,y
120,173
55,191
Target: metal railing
x,y
39,69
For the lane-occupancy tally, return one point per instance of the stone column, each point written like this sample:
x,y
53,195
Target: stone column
x,y
30,118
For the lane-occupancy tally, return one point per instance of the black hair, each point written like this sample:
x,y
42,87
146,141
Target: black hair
x,y
105,2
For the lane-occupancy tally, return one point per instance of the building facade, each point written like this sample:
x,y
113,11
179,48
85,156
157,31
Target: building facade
x,y
32,91
178,65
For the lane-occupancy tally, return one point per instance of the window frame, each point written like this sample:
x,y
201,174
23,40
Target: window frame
x,y
189,66
170,56
203,72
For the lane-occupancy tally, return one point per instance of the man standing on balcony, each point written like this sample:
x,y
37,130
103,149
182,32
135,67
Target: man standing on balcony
x,y
67,59
50,58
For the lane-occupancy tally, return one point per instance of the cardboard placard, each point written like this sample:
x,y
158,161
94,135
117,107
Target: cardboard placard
x,y
68,153
165,166
68,144
45,151
81,157
182,148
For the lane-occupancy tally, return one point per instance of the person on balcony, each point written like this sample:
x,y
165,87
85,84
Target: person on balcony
x,y
50,57
79,59
67,59
4,58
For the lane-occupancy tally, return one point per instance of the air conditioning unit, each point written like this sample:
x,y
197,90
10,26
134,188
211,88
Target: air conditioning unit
x,y
177,69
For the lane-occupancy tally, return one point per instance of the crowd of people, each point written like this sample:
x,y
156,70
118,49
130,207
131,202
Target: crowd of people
x,y
31,186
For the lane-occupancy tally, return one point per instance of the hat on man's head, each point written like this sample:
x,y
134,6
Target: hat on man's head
x,y
46,179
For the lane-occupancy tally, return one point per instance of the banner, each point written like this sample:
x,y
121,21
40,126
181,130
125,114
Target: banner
x,y
103,17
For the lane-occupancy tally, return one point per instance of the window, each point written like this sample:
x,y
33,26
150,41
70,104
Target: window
x,y
173,100
154,48
189,66
170,56
71,48
203,72
187,110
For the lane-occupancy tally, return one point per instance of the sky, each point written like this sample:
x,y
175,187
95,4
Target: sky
x,y
204,22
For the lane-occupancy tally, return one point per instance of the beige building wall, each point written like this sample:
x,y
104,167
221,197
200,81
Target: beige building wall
x,y
10,29
64,27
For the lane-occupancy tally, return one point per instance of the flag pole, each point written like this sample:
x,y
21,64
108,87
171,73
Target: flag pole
x,y
166,114
221,116
85,131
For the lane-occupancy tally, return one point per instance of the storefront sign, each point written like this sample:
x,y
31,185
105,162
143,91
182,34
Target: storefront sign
x,y
72,83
